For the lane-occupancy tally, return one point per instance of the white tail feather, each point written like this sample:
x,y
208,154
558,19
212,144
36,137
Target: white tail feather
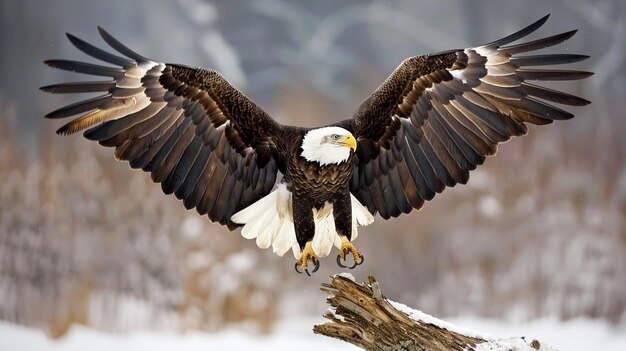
x,y
325,232
270,221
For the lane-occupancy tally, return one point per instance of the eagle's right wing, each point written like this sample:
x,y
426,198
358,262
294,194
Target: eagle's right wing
x,y
196,134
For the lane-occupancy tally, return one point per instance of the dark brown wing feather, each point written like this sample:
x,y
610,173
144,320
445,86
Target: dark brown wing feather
x,y
196,134
438,116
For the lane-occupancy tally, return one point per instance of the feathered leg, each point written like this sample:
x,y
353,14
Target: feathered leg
x,y
343,223
305,230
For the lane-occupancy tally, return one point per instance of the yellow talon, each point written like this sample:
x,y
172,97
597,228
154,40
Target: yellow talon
x,y
347,247
307,255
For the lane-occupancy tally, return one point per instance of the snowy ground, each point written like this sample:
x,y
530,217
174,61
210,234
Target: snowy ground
x,y
574,335
564,336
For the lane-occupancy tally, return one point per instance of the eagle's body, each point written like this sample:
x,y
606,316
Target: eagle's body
x,y
436,118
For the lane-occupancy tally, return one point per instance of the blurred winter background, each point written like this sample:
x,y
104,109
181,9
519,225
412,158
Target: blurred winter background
x,y
536,243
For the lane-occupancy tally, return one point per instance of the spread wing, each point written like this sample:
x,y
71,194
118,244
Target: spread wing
x,y
197,135
438,116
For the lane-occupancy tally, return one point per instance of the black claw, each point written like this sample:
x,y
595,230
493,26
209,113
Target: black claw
x,y
317,265
358,263
315,262
295,266
339,262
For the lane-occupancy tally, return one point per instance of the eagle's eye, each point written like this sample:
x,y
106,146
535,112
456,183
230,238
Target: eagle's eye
x,y
335,137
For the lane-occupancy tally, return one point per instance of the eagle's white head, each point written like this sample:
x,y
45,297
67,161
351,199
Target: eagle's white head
x,y
328,145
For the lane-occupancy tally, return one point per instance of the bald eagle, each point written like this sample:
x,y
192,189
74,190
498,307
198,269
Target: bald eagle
x,y
436,118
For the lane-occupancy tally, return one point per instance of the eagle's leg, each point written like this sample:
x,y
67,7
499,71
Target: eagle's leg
x,y
304,226
342,211
346,248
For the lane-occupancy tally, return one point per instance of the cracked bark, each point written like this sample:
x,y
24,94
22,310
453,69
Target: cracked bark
x,y
362,316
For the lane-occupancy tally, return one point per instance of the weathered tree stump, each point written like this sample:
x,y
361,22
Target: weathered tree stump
x,y
362,316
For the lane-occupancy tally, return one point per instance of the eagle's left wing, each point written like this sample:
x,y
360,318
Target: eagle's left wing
x,y
438,116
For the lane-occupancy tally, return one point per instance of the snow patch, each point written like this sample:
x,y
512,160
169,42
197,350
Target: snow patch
x,y
576,335
346,275
517,344
426,318
292,334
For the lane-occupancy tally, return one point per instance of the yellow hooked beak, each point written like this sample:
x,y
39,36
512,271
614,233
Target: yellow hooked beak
x,y
350,141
